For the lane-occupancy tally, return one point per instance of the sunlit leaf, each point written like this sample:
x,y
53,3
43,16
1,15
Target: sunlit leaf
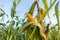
x,y
59,21
45,4
46,12
13,9
43,13
14,3
11,37
32,8
50,7
7,37
40,17
13,12
56,11
57,14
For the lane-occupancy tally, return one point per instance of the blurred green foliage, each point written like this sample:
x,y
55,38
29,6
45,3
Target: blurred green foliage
x,y
28,30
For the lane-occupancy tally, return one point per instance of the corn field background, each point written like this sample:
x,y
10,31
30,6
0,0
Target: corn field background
x,y
32,26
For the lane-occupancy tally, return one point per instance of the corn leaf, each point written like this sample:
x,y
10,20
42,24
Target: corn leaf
x,y
57,14
59,22
45,4
26,26
50,6
56,11
50,2
33,33
3,24
3,13
2,10
13,12
11,37
32,8
14,4
12,23
46,12
40,31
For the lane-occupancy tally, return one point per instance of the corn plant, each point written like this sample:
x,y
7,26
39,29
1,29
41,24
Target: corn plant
x,y
32,28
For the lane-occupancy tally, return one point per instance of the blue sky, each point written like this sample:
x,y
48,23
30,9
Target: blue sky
x,y
24,7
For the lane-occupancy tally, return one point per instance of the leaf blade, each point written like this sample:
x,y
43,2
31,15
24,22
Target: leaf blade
x,y
56,11
32,8
45,4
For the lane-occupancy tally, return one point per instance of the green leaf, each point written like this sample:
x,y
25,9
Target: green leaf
x,y
17,18
30,33
33,32
57,14
46,12
11,37
7,37
2,10
59,22
14,3
56,11
32,8
50,7
3,24
45,4
13,12
13,9
26,26
3,13
50,2
12,22
42,35
17,24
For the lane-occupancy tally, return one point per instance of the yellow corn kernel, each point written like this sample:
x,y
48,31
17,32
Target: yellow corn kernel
x,y
31,19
